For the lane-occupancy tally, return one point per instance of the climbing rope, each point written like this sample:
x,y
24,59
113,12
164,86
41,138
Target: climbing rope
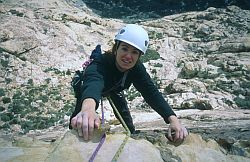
x,y
91,159
118,152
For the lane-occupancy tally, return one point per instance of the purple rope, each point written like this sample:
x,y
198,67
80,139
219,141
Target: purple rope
x,y
102,139
102,114
97,148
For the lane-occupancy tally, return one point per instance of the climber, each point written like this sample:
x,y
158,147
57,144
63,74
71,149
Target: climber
x,y
112,72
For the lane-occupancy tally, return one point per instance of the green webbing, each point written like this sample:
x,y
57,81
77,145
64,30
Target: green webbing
x,y
118,152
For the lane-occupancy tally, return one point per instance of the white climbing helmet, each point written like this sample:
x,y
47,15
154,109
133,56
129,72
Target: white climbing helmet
x,y
134,35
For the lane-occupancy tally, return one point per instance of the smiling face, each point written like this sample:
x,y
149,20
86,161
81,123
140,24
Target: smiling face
x,y
126,56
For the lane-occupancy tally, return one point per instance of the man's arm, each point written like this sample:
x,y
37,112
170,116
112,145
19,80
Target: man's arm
x,y
143,83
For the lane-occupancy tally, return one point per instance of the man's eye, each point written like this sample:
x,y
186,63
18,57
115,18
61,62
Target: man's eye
x,y
136,53
124,49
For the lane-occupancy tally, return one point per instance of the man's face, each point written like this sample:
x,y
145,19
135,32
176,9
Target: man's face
x,y
126,56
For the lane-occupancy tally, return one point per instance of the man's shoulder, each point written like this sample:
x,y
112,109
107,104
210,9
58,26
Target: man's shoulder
x,y
107,59
138,67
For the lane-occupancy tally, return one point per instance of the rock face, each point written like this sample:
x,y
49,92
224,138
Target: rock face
x,y
199,60
195,149
72,148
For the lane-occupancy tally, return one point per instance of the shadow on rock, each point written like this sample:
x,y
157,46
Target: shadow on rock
x,y
135,10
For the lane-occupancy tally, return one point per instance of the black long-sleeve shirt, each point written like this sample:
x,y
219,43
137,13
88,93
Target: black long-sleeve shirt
x,y
102,74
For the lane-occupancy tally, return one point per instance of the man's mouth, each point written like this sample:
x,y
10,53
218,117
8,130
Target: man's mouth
x,y
126,61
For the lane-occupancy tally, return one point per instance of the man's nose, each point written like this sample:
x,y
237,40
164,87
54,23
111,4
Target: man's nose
x,y
129,55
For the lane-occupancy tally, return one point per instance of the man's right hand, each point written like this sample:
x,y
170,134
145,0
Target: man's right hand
x,y
87,120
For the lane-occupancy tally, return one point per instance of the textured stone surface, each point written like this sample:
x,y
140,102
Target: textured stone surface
x,y
204,56
195,149
72,148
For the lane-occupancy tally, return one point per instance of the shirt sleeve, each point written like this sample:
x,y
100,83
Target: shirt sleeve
x,y
144,84
93,82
